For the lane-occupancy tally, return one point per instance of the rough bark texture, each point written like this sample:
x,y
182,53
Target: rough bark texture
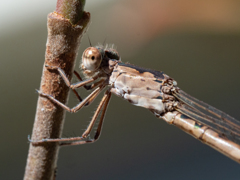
x,y
70,9
61,50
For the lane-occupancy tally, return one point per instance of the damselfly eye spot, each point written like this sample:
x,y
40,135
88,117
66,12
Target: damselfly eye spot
x,y
91,58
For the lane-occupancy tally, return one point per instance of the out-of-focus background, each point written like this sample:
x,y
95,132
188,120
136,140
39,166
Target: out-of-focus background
x,y
195,42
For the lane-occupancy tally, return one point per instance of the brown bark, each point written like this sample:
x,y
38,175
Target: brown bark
x,y
61,50
71,9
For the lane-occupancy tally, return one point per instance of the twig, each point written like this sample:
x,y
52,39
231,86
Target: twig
x,y
66,27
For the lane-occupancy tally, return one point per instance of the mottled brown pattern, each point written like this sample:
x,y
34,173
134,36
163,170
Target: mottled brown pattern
x,y
141,88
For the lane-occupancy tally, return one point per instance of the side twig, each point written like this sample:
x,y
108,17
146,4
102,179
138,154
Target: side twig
x,y
63,41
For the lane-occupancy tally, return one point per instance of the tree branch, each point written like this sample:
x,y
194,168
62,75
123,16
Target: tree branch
x,y
63,41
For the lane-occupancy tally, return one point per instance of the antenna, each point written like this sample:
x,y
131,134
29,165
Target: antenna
x,y
89,41
104,41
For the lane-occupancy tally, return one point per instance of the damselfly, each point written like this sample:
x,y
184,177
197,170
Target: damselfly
x,y
153,90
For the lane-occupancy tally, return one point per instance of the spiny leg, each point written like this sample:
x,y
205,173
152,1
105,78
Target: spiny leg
x,y
97,112
63,75
75,85
99,129
77,107
78,96
104,102
103,105
87,87
93,86
93,97
102,81
66,80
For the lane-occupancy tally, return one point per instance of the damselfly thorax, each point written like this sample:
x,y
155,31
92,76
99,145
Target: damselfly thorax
x,y
153,90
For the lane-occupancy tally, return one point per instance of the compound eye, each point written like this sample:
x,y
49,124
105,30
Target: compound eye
x,y
91,58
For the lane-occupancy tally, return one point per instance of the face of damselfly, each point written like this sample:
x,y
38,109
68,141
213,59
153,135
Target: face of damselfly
x,y
95,58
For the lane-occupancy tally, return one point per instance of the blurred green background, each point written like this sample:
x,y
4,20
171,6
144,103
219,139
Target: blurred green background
x,y
195,42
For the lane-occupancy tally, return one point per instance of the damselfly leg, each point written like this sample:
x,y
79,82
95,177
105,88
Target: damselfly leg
x,y
75,85
80,105
102,106
80,140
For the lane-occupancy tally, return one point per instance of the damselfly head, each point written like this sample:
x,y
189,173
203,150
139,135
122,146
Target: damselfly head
x,y
91,59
